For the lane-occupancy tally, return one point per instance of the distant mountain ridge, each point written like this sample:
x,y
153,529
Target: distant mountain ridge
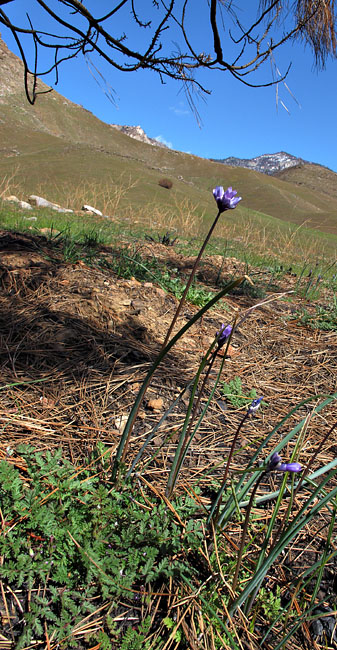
x,y
267,163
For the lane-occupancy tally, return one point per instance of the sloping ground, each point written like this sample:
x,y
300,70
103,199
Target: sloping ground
x,y
56,140
88,338
316,177
76,343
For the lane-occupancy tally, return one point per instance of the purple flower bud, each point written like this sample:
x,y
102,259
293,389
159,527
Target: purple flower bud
x,y
226,200
275,463
223,334
252,408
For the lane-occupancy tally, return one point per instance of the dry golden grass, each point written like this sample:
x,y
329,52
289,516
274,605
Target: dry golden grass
x,y
106,197
8,185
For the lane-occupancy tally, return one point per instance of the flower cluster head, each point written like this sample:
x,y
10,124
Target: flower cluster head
x,y
252,408
275,463
226,200
223,334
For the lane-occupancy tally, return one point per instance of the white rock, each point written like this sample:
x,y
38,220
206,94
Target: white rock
x,y
40,202
30,218
63,210
89,208
12,198
120,422
24,205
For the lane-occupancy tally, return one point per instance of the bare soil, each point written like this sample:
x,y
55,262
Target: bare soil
x,y
87,338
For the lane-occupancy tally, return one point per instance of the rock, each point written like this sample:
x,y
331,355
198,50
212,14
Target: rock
x,y
24,205
50,231
161,292
89,208
155,404
21,204
138,306
120,422
30,218
12,198
40,202
324,627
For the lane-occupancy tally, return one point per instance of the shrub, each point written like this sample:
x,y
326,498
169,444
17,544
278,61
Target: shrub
x,y
165,182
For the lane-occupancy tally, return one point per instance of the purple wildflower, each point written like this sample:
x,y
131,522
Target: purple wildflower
x,y
275,463
252,408
223,334
226,200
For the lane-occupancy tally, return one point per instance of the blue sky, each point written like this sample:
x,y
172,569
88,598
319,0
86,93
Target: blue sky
x,y
236,120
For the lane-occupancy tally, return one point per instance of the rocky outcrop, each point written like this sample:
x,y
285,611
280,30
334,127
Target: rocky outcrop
x,y
138,133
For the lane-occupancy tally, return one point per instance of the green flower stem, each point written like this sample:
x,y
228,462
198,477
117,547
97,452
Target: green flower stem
x,y
122,447
179,457
195,266
301,520
214,514
244,533
155,429
302,478
242,488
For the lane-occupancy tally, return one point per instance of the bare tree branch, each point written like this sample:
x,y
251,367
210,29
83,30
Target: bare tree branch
x,y
75,30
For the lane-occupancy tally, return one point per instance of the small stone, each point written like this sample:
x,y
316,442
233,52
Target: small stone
x,y
12,198
138,305
89,208
161,292
49,231
155,404
24,205
120,422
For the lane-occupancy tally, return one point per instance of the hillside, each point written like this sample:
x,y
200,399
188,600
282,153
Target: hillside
x,y
57,144
315,177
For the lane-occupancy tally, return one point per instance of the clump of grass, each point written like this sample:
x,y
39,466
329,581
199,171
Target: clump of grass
x,y
321,317
166,240
8,185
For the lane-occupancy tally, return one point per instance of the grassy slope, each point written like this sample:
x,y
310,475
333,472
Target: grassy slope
x,y
315,177
60,144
